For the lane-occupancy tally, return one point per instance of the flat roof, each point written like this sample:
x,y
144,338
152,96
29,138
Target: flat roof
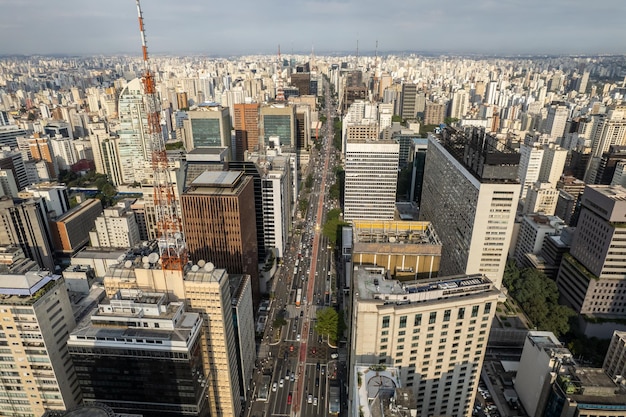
x,y
222,179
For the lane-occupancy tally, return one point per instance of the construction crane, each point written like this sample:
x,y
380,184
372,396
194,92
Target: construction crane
x,y
171,241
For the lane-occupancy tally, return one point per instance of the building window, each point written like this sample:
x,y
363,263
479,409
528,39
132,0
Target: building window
x,y
385,322
418,320
474,311
446,315
461,314
487,308
433,317
402,322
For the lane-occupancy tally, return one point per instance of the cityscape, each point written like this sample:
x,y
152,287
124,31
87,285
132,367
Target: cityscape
x,y
309,222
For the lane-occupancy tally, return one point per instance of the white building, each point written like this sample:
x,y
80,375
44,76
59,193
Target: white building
x,y
532,233
542,197
115,228
64,152
471,203
371,178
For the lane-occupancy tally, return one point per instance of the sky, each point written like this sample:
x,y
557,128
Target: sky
x,y
241,27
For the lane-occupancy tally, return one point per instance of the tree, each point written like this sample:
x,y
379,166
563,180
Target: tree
x,y
328,323
302,205
308,183
279,321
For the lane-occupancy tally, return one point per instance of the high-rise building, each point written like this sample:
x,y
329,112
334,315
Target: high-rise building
x,y
542,198
246,124
556,120
206,291
434,113
54,197
371,179
278,120
40,149
37,318
25,224
615,359
220,223
533,230
207,127
407,106
243,328
139,353
470,194
591,279
106,152
64,152
302,80
116,228
460,104
608,129
134,144
14,162
433,330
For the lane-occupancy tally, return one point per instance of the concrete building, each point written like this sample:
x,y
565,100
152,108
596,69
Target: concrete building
x,y
409,250
615,359
243,327
206,291
278,120
37,317
106,152
434,113
25,224
14,162
246,125
220,223
70,232
371,179
134,145
591,279
116,227
407,105
207,126
470,194
533,230
54,196
433,330
380,393
139,353
64,152
542,198
41,150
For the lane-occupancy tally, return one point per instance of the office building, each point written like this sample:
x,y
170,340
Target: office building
x,y
37,317
25,224
54,196
246,124
207,126
556,121
206,291
371,179
460,104
470,194
407,105
8,186
14,162
533,230
615,359
418,163
409,250
278,120
116,227
608,129
70,232
539,162
591,278
106,152
243,328
139,353
379,393
64,152
220,223
433,330
549,383
41,150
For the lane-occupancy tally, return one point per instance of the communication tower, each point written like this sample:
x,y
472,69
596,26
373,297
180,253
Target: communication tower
x,y
171,243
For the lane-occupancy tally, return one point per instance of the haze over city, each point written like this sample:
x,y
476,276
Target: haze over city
x,y
251,27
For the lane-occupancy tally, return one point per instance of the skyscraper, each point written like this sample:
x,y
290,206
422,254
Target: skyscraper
x,y
220,223
37,317
207,127
134,144
470,194
371,179
246,125
407,106
434,330
278,120
139,353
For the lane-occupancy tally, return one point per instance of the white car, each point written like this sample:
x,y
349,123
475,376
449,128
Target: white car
x,y
314,400
274,386
334,355
298,337
309,398
281,383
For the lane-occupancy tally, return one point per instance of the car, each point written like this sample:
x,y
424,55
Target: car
x,y
315,401
289,399
309,399
287,375
313,350
281,383
292,377
298,337
302,314
334,355
317,382
274,387
317,366
322,371
291,348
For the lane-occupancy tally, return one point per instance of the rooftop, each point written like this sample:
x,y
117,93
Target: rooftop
x,y
395,232
219,179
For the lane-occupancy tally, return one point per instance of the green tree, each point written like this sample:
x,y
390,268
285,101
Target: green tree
x,y
328,323
308,183
396,118
303,204
450,120
279,322
332,226
333,191
174,146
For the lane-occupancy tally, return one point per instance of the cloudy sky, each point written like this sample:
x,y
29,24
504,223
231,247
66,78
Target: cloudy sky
x,y
235,27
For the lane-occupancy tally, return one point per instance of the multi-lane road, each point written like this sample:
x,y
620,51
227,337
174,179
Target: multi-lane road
x,y
298,362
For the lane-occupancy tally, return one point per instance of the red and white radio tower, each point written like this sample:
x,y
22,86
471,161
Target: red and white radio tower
x,y
172,246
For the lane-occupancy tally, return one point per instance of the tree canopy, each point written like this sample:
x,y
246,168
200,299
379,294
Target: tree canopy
x,y
330,324
538,296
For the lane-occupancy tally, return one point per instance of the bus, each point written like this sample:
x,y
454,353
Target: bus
x,y
334,405
297,262
298,297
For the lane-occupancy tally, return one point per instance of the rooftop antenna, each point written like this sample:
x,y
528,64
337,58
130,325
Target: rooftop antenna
x,y
280,92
